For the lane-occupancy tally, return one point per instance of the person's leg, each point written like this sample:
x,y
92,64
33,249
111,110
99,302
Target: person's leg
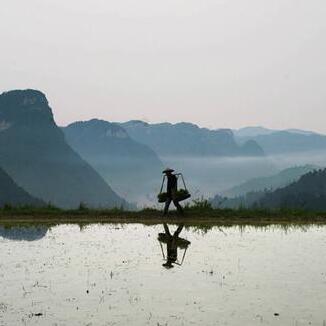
x,y
176,202
166,229
178,231
166,206
178,206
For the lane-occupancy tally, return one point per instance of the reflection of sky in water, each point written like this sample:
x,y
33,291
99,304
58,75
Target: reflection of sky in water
x,y
113,275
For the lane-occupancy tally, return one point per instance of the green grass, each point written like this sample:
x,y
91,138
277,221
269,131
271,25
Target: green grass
x,y
200,213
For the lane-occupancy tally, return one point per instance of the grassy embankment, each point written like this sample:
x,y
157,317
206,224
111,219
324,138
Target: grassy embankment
x,y
200,213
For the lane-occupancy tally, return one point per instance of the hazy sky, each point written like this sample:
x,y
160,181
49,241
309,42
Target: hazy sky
x,y
218,63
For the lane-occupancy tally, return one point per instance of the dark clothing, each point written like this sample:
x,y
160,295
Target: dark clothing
x,y
172,184
171,189
172,248
176,204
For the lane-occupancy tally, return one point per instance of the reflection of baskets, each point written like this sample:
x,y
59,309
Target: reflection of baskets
x,y
181,243
181,194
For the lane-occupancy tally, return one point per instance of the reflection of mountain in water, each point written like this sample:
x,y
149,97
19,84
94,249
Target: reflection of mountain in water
x,y
23,233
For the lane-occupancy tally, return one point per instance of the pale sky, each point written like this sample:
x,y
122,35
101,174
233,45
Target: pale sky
x,y
217,63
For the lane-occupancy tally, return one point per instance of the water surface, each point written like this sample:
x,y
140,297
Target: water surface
x,y
113,275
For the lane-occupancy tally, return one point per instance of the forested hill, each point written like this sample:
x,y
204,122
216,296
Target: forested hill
x,y
309,193
273,182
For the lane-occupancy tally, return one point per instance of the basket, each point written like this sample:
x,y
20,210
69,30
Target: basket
x,y
181,194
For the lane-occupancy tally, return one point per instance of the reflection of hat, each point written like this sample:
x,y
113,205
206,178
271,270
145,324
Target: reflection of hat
x,y
168,170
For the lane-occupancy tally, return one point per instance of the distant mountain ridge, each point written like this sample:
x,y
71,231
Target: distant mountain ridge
x,y
76,164
307,193
34,152
283,141
279,180
248,132
130,167
252,131
187,139
249,193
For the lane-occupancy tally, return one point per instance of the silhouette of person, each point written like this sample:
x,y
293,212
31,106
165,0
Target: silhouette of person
x,y
172,243
171,190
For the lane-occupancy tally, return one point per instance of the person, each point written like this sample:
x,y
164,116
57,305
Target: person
x,y
172,245
171,190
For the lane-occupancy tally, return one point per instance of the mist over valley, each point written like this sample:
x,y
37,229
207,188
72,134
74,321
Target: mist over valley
x,y
127,159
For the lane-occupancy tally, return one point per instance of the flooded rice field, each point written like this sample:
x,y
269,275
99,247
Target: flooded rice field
x,y
162,275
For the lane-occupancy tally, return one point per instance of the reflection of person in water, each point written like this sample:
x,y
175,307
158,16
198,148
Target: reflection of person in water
x,y
172,244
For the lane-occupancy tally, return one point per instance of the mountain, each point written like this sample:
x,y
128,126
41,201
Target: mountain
x,y
247,200
186,139
285,142
34,152
130,167
12,194
308,193
252,132
279,180
302,132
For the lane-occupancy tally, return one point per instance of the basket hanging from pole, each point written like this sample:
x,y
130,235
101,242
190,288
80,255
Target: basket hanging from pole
x,y
181,194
